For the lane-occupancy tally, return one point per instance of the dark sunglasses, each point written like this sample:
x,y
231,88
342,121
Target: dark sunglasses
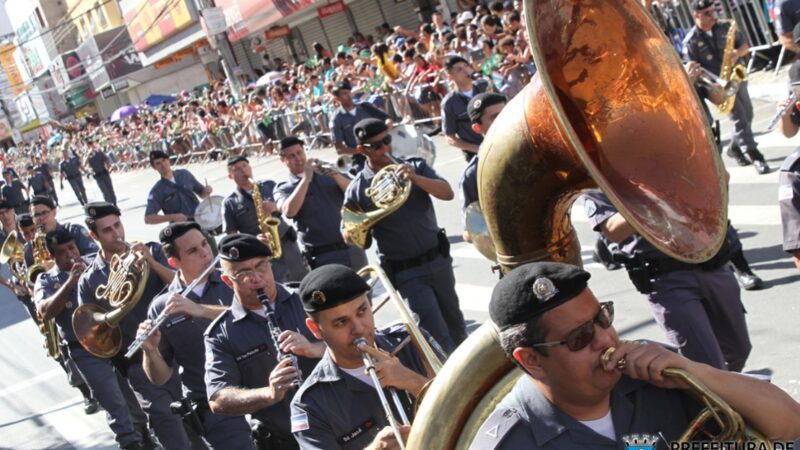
x,y
581,337
377,145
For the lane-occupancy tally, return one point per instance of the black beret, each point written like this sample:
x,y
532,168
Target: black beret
x,y
57,237
290,141
158,154
533,289
452,60
368,128
342,85
330,285
43,200
98,210
238,158
175,230
241,247
24,220
4,204
480,102
702,4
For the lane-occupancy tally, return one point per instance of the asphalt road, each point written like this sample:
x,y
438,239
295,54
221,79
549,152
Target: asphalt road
x,y
38,409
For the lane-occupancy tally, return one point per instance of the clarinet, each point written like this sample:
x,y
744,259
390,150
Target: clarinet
x,y
275,332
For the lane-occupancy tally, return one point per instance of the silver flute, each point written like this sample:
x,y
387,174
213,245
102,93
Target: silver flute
x,y
158,321
777,118
373,374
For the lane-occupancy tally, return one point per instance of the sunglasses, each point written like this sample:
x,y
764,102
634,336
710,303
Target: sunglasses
x,y
377,145
581,337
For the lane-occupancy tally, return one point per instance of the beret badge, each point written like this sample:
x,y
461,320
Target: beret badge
x,y
234,252
168,232
361,133
318,298
477,103
544,289
92,212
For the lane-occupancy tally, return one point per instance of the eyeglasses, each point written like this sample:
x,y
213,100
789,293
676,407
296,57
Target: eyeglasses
x,y
581,337
709,12
41,214
249,275
377,145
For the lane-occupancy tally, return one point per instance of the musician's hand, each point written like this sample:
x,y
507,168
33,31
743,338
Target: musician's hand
x,y
151,343
281,378
297,344
391,372
693,70
206,191
75,272
20,290
178,304
142,248
311,166
646,361
178,217
269,206
406,172
385,439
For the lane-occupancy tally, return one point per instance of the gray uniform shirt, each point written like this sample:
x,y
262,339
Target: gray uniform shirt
x,y
525,419
86,245
70,167
182,336
48,284
97,161
13,192
454,114
240,353
789,201
317,221
176,197
708,50
342,122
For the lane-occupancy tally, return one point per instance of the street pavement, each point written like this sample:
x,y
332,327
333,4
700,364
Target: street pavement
x,y
39,409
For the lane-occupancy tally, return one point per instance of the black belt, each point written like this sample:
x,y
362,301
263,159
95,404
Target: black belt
x,y
74,177
405,264
100,174
321,249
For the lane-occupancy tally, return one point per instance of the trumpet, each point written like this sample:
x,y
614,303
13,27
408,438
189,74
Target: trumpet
x,y
275,332
342,165
159,320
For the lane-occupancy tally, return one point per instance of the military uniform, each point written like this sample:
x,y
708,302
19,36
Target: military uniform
x,y
415,253
182,344
789,201
342,122
698,305
12,193
526,419
318,221
86,244
97,162
240,215
335,410
44,168
176,196
39,184
468,184
155,400
240,353
456,121
71,168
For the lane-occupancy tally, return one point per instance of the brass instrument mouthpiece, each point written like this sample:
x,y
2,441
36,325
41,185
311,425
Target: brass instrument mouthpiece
x,y
359,341
605,357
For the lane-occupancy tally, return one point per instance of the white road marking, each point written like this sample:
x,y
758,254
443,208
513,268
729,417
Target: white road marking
x,y
75,427
22,385
740,215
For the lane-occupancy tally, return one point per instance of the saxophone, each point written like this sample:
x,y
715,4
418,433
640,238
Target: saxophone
x,y
267,224
41,263
731,75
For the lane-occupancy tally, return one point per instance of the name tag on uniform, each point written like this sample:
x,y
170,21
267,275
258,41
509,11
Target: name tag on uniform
x,y
785,192
252,352
176,321
358,431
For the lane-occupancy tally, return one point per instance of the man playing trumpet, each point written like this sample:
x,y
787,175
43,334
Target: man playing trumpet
x,y
554,329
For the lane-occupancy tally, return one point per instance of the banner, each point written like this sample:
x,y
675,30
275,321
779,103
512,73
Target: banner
x,y
242,16
141,15
10,68
331,9
278,32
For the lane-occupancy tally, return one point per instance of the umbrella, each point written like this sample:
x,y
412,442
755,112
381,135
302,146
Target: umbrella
x,y
55,140
268,79
123,112
157,99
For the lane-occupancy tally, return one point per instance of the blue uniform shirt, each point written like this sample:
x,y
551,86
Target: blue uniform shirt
x,y
48,284
97,274
97,161
240,211
70,167
176,197
13,192
317,222
787,15
240,353
342,122
708,50
454,114
38,183
86,245
412,229
469,183
182,335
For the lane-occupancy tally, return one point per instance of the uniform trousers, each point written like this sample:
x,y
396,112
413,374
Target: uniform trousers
x,y
223,432
104,183
742,118
291,266
78,188
702,313
430,289
352,257
155,401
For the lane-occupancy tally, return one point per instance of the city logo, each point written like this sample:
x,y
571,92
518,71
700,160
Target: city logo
x,y
640,441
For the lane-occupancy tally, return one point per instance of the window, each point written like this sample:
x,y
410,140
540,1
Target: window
x,y
101,15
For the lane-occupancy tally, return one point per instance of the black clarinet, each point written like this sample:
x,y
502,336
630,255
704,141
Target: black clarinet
x,y
275,332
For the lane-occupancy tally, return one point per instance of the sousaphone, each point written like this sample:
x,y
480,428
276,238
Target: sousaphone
x,y
611,107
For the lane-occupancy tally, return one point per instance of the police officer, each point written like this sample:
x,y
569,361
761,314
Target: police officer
x,y
44,167
44,216
789,201
338,406
240,217
243,374
70,167
56,298
105,227
554,328
787,17
312,198
178,344
457,125
37,182
12,191
176,193
348,115
101,165
705,43
413,250
699,306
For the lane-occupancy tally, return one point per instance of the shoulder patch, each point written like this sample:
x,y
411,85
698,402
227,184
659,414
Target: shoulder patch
x,y
785,192
496,428
591,207
299,422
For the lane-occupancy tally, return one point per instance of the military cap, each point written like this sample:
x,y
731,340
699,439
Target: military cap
x,y
330,285
238,158
452,60
4,204
341,86
478,104
158,154
290,141
24,220
98,210
241,247
702,4
43,200
533,289
368,128
57,237
175,230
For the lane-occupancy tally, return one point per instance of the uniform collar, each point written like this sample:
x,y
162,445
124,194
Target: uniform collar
x,y
240,312
327,371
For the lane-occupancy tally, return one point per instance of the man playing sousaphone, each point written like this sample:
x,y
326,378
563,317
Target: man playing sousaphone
x,y
554,328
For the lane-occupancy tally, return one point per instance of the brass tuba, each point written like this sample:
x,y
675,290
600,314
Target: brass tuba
x,y
267,224
97,328
610,107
